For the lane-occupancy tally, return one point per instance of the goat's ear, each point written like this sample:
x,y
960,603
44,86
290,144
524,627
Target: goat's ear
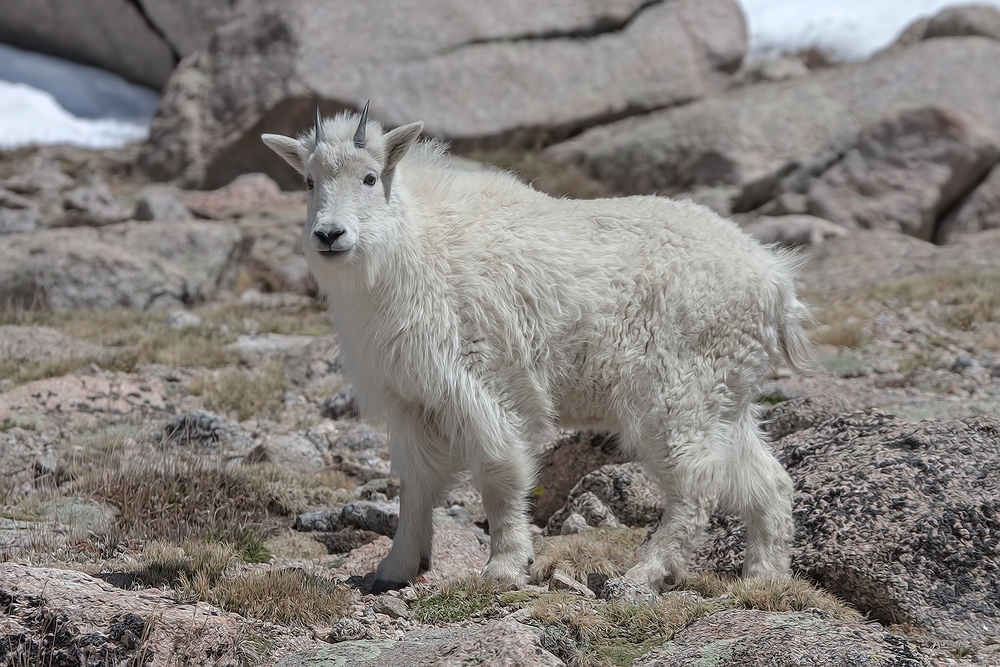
x,y
397,143
287,148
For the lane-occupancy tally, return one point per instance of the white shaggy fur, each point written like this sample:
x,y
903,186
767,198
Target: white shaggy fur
x,y
476,315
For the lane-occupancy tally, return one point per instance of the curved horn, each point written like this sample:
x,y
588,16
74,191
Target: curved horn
x,y
359,136
319,126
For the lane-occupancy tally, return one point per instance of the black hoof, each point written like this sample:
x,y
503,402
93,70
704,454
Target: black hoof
x,y
380,586
425,564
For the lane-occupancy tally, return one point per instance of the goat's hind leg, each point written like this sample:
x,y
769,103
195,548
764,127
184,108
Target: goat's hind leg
x,y
758,489
690,474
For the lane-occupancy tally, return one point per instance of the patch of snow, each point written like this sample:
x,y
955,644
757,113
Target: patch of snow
x,y
844,30
46,100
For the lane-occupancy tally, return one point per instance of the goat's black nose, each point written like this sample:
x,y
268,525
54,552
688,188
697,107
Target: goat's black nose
x,y
328,237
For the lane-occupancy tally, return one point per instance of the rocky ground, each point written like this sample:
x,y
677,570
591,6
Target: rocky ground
x,y
186,480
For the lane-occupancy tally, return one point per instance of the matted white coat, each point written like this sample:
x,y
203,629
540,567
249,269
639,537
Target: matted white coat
x,y
476,315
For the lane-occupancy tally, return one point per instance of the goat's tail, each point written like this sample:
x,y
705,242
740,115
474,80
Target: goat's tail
x,y
794,348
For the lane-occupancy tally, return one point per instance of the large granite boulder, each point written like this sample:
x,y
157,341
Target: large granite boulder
x,y
905,171
505,74
977,212
756,136
110,34
187,25
900,519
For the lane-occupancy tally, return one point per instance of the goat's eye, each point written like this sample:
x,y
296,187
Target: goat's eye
x,y
370,179
309,183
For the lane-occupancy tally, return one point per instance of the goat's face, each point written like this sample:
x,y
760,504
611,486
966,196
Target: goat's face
x,y
348,167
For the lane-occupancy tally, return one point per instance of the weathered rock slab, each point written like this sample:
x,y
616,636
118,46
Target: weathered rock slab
x,y
752,638
905,171
576,64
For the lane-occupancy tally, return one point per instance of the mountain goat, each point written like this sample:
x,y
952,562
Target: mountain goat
x,y
476,314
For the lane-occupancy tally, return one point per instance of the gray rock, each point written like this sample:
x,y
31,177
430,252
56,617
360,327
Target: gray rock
x,y
749,637
349,629
787,203
38,343
155,205
391,606
321,520
979,211
793,230
65,269
383,486
187,25
28,459
576,64
342,405
574,523
17,214
38,179
19,220
91,205
182,319
616,493
292,452
905,171
209,253
760,131
362,437
500,642
897,518
381,518
204,432
110,34
965,21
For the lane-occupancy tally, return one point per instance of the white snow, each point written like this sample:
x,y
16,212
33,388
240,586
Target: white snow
x,y
46,100
844,30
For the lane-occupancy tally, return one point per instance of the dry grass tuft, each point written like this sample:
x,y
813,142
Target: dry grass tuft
x,y
783,594
616,633
175,495
245,393
164,564
609,551
295,545
841,325
287,596
964,298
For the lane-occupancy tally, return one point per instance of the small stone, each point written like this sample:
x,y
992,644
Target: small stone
x,y
409,594
560,581
962,362
629,591
341,405
347,629
574,523
382,518
390,606
92,205
160,206
995,372
323,520
182,319
360,438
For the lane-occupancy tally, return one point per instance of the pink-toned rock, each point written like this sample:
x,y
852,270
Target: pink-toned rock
x,y
905,171
564,461
74,401
445,62
752,638
978,212
65,617
248,194
503,643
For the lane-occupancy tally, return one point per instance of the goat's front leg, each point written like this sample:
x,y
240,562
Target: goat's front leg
x,y
423,478
505,486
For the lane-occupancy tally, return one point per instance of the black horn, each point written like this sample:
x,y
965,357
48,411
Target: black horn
x,y
319,126
359,136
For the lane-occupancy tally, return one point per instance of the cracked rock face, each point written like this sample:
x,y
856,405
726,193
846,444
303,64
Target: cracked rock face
x,y
512,74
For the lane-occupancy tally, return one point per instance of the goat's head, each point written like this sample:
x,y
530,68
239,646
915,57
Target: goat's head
x,y
348,163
